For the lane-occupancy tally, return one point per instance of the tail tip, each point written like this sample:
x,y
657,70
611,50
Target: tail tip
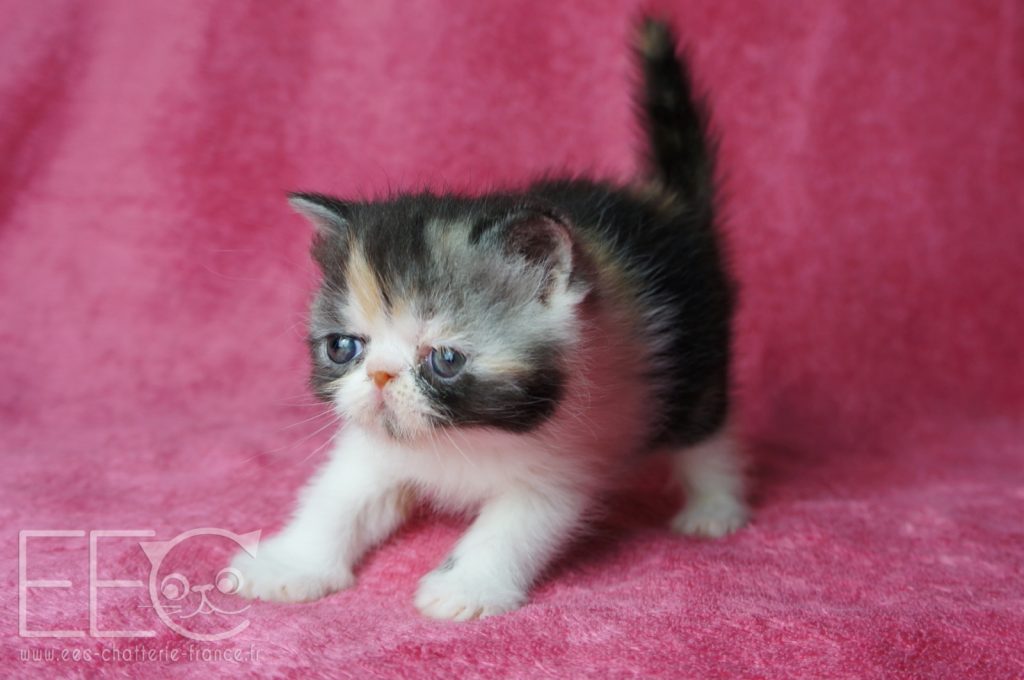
x,y
654,38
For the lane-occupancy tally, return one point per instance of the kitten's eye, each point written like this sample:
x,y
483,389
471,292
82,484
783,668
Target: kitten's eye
x,y
341,349
446,362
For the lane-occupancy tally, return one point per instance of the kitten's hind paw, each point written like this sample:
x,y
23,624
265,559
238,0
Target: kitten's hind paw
x,y
713,517
276,577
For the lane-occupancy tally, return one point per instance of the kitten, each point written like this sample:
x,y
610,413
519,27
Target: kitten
x,y
507,354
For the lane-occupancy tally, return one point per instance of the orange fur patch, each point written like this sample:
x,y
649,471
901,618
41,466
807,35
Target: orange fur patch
x,y
366,293
500,365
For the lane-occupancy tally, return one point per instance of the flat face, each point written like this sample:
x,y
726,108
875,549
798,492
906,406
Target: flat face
x,y
428,319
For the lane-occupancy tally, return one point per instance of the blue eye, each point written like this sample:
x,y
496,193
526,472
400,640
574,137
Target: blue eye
x,y
446,362
341,349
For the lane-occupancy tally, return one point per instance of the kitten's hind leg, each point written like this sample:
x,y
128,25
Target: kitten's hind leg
x,y
711,473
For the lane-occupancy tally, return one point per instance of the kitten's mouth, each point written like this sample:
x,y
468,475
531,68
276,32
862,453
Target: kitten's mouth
x,y
380,403
379,415
382,413
388,424
382,417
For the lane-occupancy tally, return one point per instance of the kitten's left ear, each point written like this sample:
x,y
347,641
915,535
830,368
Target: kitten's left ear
x,y
327,214
544,240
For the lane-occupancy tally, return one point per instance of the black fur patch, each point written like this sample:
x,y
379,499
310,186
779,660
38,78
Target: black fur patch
x,y
515,403
677,265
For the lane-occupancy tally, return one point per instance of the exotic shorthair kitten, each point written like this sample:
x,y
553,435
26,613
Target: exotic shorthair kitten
x,y
507,354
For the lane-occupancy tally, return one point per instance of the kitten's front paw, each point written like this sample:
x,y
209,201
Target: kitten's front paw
x,y
713,517
277,574
460,597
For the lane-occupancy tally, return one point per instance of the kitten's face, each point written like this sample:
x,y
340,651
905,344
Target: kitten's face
x,y
441,313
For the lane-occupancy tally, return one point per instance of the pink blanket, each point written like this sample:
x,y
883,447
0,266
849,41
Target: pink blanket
x,y
153,287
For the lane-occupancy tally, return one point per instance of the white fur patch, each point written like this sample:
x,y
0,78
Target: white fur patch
x,y
712,475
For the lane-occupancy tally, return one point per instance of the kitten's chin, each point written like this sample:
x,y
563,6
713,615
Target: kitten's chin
x,y
393,430
383,423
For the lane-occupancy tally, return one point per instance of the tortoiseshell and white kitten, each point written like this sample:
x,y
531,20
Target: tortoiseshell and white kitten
x,y
507,354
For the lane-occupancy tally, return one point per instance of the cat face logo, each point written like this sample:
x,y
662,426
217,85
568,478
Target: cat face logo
x,y
188,601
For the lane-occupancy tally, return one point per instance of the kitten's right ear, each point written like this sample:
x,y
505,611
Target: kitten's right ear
x,y
328,215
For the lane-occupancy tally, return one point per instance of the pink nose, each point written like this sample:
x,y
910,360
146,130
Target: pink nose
x,y
381,378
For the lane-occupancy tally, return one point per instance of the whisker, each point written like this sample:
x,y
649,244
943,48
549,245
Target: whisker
x,y
461,452
309,436
322,446
433,440
326,412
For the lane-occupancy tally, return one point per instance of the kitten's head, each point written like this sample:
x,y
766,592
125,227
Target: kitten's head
x,y
442,312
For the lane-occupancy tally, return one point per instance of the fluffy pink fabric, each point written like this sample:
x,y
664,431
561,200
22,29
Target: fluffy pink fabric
x,y
154,285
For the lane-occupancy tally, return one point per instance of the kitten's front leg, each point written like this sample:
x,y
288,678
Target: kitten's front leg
x,y
351,504
493,566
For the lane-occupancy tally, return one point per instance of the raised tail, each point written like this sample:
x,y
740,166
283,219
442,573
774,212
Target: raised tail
x,y
681,152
